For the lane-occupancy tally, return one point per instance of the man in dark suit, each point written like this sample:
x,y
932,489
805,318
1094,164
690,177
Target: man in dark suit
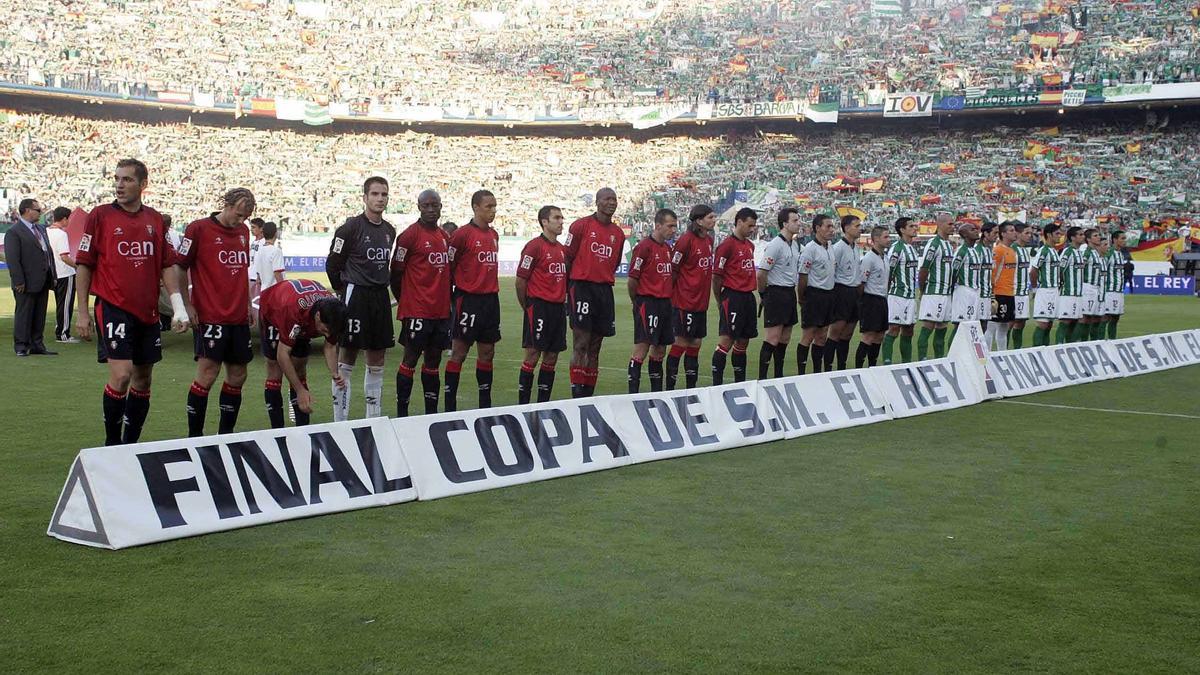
x,y
31,265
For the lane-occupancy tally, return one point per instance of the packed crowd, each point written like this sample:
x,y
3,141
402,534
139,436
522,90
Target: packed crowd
x,y
465,53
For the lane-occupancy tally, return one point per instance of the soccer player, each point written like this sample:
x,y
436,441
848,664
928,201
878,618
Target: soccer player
x,y
902,291
421,284
815,289
692,265
1093,267
1114,292
291,314
1099,327
847,280
216,252
968,276
1070,287
1044,274
542,293
936,278
122,255
988,235
873,309
1004,275
778,274
734,282
474,270
359,272
595,245
1021,301
268,266
650,288
256,242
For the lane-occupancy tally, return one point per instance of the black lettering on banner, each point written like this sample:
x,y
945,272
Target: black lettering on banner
x,y
1067,370
1004,367
380,483
439,438
1169,348
1155,360
743,412
544,442
907,384
491,449
1105,361
287,494
861,385
1132,357
218,481
590,418
1085,359
932,384
650,408
847,398
1045,366
162,489
692,422
1193,345
340,470
950,374
789,405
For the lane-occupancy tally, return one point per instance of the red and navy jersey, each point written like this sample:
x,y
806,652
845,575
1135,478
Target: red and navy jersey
x,y
692,259
735,264
544,266
422,256
651,266
127,253
287,307
219,260
474,252
594,250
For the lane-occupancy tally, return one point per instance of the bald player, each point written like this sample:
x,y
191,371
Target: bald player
x,y
594,247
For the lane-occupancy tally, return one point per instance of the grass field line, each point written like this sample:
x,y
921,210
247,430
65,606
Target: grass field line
x,y
1103,410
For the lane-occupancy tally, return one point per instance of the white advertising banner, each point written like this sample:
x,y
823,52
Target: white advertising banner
x,y
1151,353
908,104
927,386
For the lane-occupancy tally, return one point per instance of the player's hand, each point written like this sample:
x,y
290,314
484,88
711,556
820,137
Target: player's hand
x,y
180,325
83,326
338,380
19,288
304,401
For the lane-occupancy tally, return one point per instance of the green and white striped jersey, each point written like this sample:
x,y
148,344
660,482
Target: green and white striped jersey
x,y
1021,278
1115,282
1046,260
902,270
1092,266
968,266
986,262
1071,265
938,261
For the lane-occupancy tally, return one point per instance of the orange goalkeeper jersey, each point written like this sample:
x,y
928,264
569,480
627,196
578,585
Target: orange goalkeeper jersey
x,y
1004,270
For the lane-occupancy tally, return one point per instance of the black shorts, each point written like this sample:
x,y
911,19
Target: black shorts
x,y
269,336
1006,308
477,317
652,321
688,324
818,308
739,314
873,310
368,318
223,343
845,303
121,337
779,306
544,326
592,308
422,334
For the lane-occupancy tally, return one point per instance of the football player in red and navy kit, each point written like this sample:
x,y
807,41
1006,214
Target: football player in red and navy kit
x,y
122,255
650,287
216,252
594,248
474,270
734,282
420,278
542,293
692,265
290,314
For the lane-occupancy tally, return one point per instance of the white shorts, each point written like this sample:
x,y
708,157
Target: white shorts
x,y
965,304
1114,303
901,311
935,308
1045,304
1021,308
985,309
1070,307
1091,300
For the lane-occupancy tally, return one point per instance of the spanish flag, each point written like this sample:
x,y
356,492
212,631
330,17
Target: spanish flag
x,y
947,167
871,185
1133,148
930,199
844,211
1034,149
835,184
888,203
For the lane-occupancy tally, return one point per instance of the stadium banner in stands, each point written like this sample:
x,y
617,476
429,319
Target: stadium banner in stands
x,y
1001,98
135,494
759,109
1161,284
1073,98
908,104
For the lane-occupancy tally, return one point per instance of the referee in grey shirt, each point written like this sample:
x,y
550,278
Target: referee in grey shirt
x,y
815,289
847,277
873,306
778,273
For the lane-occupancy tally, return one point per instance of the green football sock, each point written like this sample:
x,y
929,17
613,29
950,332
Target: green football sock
x,y
1041,336
1099,329
923,343
939,342
1060,337
1112,330
906,348
1016,337
1081,331
889,341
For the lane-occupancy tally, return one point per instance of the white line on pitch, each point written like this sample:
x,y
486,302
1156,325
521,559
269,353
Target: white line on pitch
x,y
1103,410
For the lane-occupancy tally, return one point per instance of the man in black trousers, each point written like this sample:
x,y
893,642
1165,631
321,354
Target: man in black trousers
x,y
31,266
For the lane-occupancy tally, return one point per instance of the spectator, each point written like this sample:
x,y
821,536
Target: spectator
x,y
31,269
64,267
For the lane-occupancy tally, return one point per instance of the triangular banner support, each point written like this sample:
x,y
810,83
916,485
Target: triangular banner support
x,y
77,481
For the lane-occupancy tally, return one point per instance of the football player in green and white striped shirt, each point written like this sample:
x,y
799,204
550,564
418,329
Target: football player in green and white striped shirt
x,y
1021,283
988,235
936,280
1093,265
968,275
1070,287
1045,274
1097,332
902,291
1114,286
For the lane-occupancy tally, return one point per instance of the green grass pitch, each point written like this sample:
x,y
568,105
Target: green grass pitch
x,y
993,538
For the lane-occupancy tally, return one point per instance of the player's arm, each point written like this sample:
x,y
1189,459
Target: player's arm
x,y
331,362
801,286
335,262
923,272
396,275
283,355
763,268
83,288
635,273
1033,270
574,241
175,281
